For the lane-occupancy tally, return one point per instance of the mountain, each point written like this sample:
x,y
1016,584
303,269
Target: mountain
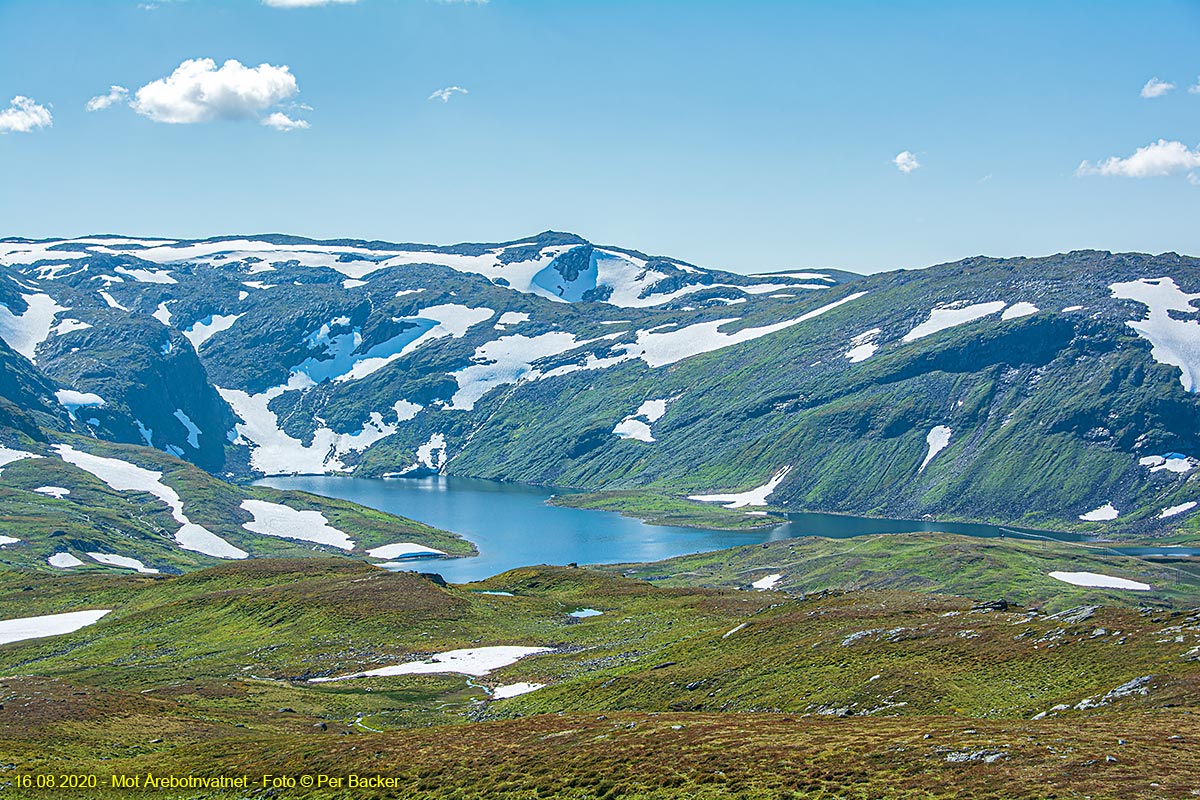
x,y
1053,392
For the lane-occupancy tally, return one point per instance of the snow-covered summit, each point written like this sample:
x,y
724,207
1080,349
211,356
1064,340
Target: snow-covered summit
x,y
557,266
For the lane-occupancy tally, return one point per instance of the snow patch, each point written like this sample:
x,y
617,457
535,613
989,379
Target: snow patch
x,y
162,313
67,325
273,519
1095,580
72,400
637,425
63,560
732,631
510,359
1175,342
1176,510
208,327
24,332
752,497
766,582
432,454
476,661
125,477
1101,514
515,689
274,452
801,276
661,349
8,455
344,362
57,492
435,322
1018,310
937,439
405,410
22,628
111,301
147,275
125,562
946,317
506,360
403,550
510,318
863,346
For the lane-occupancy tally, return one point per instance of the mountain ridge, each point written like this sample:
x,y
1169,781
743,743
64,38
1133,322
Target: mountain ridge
x,y
1034,391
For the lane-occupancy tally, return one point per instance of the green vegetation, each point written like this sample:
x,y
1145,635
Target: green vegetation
x,y
877,667
660,509
1010,569
97,518
207,673
1050,412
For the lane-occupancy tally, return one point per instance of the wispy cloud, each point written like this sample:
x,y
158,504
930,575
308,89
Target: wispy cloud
x,y
1195,89
116,94
282,122
303,3
1156,88
1155,160
906,162
445,94
199,91
23,115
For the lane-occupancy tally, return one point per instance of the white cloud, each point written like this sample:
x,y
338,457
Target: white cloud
x,y
101,101
1152,161
1195,89
282,122
197,91
23,115
445,94
1156,88
303,3
906,162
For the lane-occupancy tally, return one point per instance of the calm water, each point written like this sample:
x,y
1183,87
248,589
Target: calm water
x,y
512,526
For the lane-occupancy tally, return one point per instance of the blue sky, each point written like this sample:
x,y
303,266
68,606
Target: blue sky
x,y
740,135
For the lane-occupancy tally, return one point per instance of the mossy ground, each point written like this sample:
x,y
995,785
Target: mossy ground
x,y
659,509
670,692
1011,569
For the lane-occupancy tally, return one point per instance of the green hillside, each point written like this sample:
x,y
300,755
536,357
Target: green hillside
x,y
211,673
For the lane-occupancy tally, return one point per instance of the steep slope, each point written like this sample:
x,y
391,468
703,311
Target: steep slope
x,y
1055,392
83,505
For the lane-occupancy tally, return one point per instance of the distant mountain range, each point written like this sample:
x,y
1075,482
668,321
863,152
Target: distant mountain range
x,y
1055,392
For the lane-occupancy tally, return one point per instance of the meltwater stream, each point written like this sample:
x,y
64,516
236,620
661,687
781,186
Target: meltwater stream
x,y
512,526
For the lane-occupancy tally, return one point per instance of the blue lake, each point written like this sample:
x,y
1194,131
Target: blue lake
x,y
512,526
